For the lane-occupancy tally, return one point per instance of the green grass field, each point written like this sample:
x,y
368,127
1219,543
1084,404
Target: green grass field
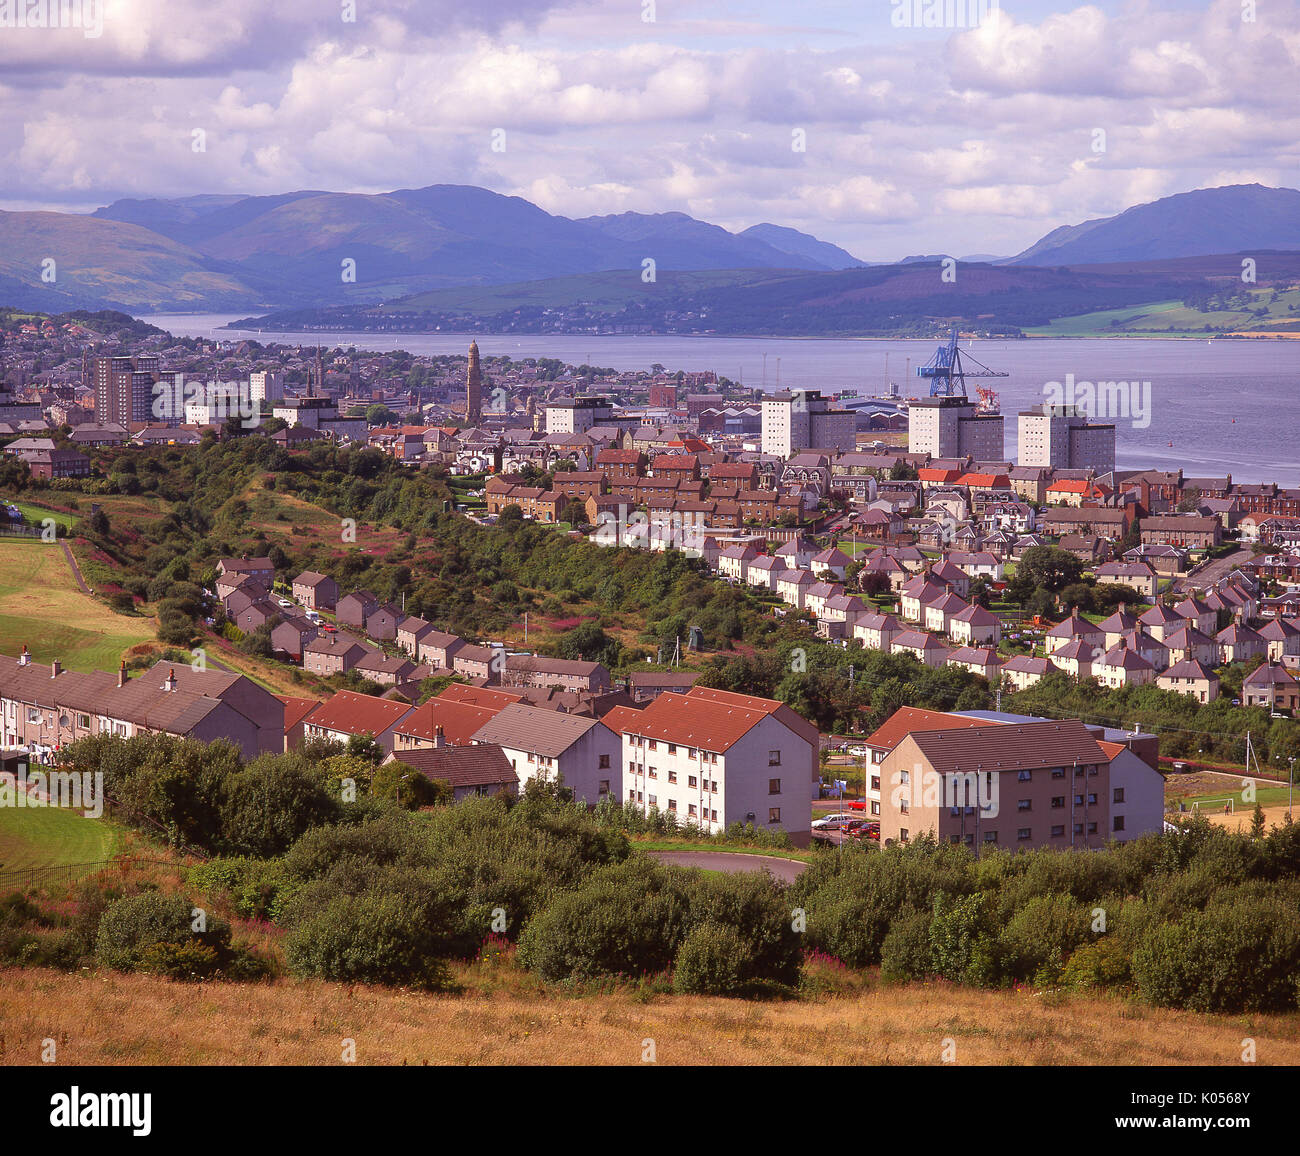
x,y
50,837
38,514
41,607
1173,317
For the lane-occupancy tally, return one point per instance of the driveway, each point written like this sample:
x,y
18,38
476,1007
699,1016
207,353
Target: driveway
x,y
787,870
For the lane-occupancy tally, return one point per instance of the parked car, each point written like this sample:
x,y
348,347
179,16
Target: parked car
x,y
867,831
830,822
286,603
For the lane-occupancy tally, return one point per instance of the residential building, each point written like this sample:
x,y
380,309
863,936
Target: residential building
x,y
575,751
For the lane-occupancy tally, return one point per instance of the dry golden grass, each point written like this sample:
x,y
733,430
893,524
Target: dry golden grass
x,y
108,1018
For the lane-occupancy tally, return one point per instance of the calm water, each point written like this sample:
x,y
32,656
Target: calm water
x,y
1227,406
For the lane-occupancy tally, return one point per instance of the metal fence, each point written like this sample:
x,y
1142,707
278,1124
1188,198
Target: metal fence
x,y
65,875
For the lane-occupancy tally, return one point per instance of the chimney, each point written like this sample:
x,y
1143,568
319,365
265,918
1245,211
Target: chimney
x,y
121,674
169,683
439,739
1123,607
56,668
25,658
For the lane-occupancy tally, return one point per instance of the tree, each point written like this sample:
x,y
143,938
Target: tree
x,y
1050,567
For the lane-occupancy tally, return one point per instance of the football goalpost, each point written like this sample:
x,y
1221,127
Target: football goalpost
x,y
1216,805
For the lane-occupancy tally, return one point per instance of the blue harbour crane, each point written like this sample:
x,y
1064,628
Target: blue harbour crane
x,y
947,374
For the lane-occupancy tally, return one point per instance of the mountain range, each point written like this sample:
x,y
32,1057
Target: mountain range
x,y
231,253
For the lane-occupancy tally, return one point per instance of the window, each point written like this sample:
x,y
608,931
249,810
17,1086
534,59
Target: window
x,y
1093,770
690,752
83,721
652,773
1078,772
1058,800
640,797
1119,796
672,805
1078,828
690,780
954,838
902,806
604,762
773,758
1058,832
33,716
713,786
1078,800
902,834
690,808
875,782
1092,798
1058,773
713,816
1023,833
1025,805
654,746
604,786
990,836
672,776
1024,776
713,758
631,767
1118,824
672,748
774,814
653,801
1092,828
904,777
773,786
875,808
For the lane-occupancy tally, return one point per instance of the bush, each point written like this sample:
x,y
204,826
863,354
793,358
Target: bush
x,y
130,927
905,952
393,934
1042,935
713,960
1098,965
626,920
1237,955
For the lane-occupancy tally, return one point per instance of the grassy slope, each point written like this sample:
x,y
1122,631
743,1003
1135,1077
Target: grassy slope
x,y
40,606
1173,317
107,1018
50,837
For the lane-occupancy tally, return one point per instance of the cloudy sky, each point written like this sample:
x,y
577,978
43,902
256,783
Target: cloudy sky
x,y
915,140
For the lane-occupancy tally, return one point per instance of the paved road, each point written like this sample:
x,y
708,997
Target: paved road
x,y
1212,571
76,570
785,869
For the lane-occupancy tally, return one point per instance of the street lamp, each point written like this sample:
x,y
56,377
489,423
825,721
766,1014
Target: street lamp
x,y
1290,787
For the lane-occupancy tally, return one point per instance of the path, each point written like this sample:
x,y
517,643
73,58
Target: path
x,y
787,870
76,570
1212,571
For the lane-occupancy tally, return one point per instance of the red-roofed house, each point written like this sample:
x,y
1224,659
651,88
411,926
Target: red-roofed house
x,y
713,757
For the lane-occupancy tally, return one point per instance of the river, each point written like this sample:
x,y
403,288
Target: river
x,y
1209,407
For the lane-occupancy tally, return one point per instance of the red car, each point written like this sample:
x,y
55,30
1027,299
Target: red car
x,y
870,830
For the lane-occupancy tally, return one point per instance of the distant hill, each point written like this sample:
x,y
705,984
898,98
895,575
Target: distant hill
x,y
906,299
1230,219
291,251
804,245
